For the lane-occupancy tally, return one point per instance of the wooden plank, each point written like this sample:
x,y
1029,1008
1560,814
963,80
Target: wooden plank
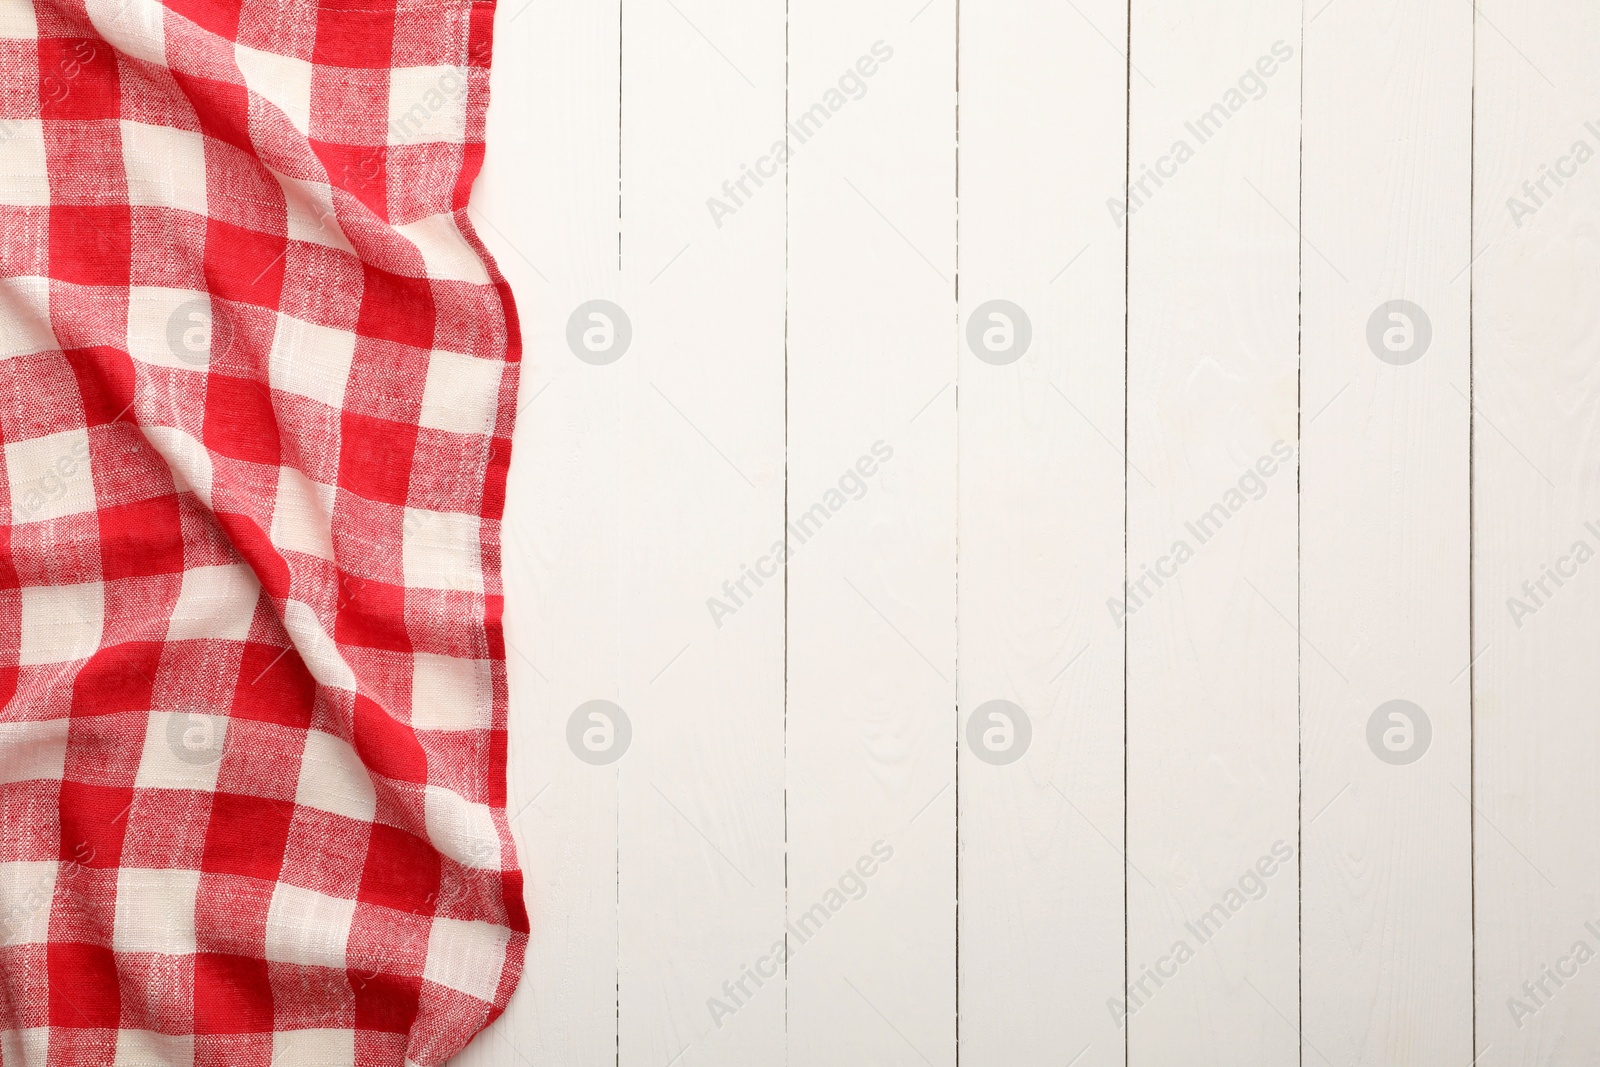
x,y
1041,533
1385,527
871,580
1536,602
1212,718
701,823
553,127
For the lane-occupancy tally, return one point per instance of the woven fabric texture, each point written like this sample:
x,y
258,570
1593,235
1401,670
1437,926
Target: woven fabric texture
x,y
257,381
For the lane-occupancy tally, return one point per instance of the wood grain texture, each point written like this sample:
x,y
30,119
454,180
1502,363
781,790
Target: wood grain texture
x,y
1536,510
1212,719
1385,527
872,724
1041,533
701,829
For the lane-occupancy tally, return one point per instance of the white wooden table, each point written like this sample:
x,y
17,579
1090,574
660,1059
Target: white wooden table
x,y
1287,412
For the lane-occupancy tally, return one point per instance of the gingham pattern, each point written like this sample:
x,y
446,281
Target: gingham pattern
x,y
257,381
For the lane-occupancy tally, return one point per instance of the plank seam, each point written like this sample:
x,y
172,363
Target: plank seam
x,y
955,689
1299,567
1127,246
1472,512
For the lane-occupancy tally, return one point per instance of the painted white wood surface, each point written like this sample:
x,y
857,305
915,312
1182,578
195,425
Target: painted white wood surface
x,y
701,828
1211,535
871,715
1041,533
1536,334
819,732
1385,593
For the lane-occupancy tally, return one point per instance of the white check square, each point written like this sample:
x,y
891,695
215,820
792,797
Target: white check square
x,y
24,182
215,603
282,81
441,550
166,167
427,104
308,928
182,750
61,623
302,515
50,477
33,751
448,693
310,360
18,23
155,911
462,393
444,249
466,956
333,779
460,829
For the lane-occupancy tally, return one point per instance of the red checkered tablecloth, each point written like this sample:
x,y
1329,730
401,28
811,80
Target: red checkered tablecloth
x,y
256,396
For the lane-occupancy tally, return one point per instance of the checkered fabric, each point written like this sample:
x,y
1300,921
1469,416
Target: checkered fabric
x,y
257,380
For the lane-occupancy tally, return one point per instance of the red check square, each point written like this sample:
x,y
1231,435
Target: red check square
x,y
84,991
